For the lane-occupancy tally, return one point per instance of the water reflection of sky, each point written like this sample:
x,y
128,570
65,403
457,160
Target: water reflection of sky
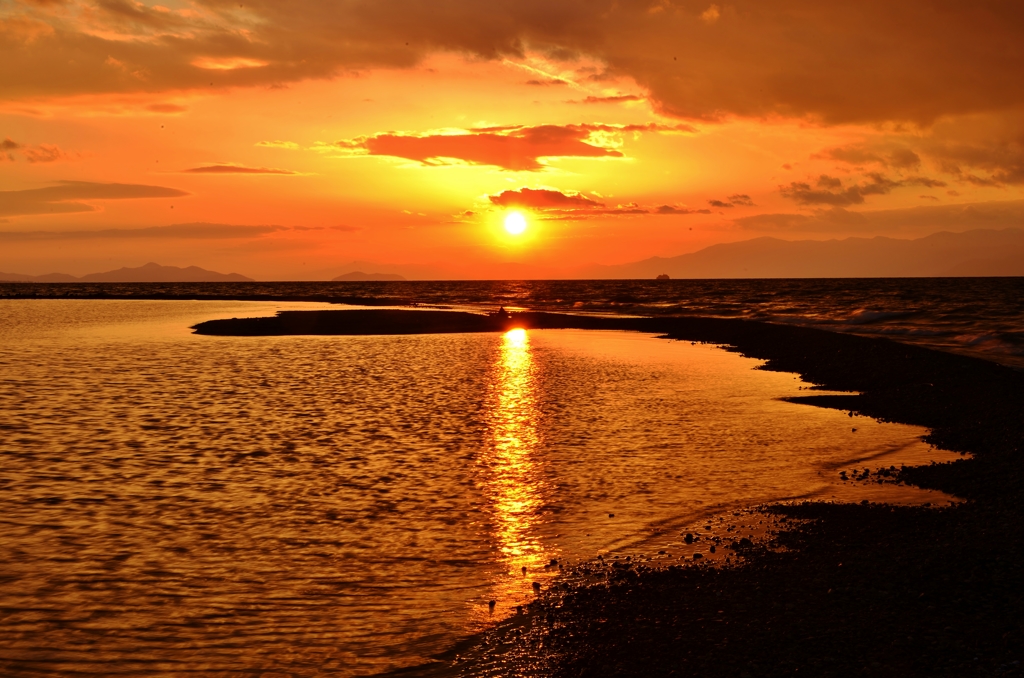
x,y
350,504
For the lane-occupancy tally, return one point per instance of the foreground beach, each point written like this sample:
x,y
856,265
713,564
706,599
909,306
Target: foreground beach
x,y
858,589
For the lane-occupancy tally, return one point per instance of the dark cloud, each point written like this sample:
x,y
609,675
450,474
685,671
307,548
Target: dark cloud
x,y
899,157
669,209
924,219
541,198
514,148
867,61
544,83
6,146
193,231
65,196
829,190
737,199
38,153
236,169
45,153
560,206
1002,160
166,108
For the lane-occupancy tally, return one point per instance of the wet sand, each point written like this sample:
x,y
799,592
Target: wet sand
x,y
844,589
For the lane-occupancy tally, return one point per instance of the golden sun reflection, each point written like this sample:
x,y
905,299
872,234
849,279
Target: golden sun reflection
x,y
514,486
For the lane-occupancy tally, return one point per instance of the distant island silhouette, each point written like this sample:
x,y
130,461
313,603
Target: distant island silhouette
x,y
151,272
359,276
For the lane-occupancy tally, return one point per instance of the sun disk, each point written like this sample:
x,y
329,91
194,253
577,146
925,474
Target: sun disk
x,y
515,223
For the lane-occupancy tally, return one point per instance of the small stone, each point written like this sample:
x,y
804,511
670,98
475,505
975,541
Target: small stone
x,y
688,538
698,556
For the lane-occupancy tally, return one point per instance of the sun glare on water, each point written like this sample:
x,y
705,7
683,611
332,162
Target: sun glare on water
x,y
515,223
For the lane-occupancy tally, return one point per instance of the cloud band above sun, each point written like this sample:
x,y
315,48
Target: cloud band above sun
x,y
517,148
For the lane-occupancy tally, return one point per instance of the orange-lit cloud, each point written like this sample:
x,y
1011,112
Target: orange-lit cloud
x,y
617,99
65,197
519,149
542,199
840,62
511,148
665,125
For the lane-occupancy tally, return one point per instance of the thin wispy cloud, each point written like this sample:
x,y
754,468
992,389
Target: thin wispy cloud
x,y
236,169
75,196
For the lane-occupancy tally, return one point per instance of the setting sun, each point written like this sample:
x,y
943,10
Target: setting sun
x,y
515,223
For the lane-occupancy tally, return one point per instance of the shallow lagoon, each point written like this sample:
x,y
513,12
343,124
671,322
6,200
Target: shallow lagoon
x,y
227,506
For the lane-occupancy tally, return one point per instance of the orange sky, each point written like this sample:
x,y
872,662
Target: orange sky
x,y
283,140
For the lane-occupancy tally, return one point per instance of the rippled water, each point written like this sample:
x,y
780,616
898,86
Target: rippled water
x,y
982,317
178,504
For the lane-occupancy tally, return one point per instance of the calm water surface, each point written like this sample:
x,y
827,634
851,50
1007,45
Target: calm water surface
x,y
175,504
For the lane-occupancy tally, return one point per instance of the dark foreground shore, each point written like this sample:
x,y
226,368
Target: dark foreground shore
x,y
859,590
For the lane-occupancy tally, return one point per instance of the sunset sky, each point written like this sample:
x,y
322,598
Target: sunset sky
x,y
282,140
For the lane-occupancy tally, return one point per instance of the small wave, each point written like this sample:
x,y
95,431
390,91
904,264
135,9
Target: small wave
x,y
872,317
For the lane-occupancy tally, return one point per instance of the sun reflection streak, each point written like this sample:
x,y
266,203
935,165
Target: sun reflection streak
x,y
515,488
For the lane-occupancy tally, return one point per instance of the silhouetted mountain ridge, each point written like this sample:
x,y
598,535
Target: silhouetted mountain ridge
x,y
981,252
151,272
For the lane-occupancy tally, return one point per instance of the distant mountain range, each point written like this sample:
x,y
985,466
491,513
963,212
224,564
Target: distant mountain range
x,y
982,252
971,253
149,273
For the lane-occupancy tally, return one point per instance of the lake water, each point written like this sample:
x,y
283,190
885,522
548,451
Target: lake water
x,y
176,504
980,317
